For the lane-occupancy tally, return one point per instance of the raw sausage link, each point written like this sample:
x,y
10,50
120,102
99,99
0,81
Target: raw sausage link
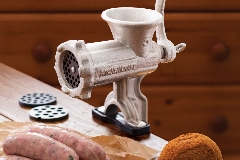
x,y
84,147
14,157
38,147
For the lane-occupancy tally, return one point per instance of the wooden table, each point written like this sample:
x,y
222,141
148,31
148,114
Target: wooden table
x,y
14,84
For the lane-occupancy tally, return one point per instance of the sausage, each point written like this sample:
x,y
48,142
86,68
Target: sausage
x,y
85,148
38,147
14,157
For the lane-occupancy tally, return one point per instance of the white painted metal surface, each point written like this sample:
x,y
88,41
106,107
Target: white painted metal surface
x,y
123,61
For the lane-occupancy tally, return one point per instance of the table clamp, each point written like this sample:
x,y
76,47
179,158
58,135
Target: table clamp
x,y
123,61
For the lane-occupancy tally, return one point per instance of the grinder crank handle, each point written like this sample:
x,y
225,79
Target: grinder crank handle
x,y
169,49
180,47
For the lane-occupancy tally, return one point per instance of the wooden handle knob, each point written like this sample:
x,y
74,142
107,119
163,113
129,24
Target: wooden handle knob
x,y
41,53
219,124
220,52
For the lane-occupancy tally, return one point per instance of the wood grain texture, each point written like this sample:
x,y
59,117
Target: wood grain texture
x,y
200,31
2,118
231,157
175,109
186,95
195,65
50,30
92,6
14,84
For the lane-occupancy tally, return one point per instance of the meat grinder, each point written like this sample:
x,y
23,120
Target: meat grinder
x,y
123,61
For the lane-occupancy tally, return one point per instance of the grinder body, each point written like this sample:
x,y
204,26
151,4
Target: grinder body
x,y
123,61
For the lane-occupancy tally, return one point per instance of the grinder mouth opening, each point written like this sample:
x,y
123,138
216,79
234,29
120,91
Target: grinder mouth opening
x,y
70,69
132,16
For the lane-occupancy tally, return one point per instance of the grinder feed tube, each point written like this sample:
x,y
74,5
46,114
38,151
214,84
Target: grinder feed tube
x,y
123,61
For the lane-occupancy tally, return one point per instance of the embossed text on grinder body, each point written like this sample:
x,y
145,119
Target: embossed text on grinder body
x,y
116,69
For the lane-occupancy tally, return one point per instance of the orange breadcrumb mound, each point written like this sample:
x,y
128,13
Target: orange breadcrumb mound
x,y
192,146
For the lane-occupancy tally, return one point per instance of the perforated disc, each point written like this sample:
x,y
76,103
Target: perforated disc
x,y
37,99
70,69
48,113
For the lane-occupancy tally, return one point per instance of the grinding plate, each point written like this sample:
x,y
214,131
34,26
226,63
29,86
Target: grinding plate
x,y
70,68
37,99
48,113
